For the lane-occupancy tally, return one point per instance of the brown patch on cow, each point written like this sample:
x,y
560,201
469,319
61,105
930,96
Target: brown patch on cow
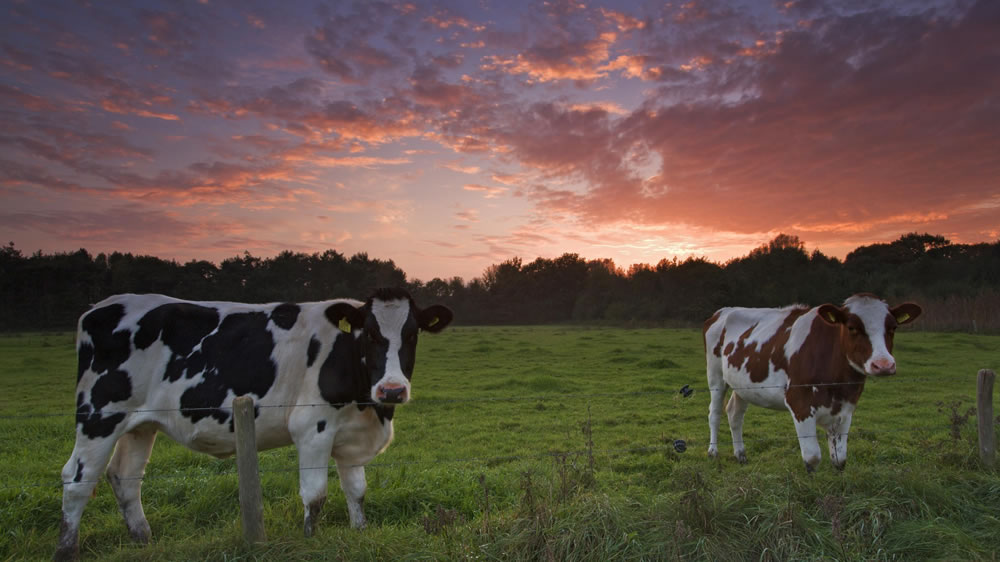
x,y
890,330
757,362
821,364
717,350
856,341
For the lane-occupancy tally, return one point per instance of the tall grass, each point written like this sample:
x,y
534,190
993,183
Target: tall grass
x,y
529,444
976,314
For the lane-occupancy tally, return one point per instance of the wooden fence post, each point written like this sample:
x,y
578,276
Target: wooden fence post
x,y
251,499
984,411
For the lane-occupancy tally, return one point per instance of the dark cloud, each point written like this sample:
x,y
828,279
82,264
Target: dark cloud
x,y
857,118
168,33
354,46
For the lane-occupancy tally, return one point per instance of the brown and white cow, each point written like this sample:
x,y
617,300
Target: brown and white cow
x,y
811,361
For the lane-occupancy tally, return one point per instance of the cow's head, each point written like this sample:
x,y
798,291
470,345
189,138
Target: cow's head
x,y
386,329
867,326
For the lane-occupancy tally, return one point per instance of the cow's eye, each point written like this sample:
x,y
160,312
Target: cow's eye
x,y
852,330
412,338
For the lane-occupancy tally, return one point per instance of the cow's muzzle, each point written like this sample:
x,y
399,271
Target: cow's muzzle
x,y
883,368
391,394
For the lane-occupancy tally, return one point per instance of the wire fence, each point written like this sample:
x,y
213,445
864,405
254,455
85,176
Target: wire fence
x,y
686,391
677,443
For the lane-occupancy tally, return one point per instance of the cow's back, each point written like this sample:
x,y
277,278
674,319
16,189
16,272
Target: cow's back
x,y
748,346
178,364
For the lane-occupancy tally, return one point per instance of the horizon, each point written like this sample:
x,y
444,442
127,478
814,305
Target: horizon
x,y
524,260
448,136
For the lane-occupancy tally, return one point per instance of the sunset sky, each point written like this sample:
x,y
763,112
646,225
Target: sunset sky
x,y
448,136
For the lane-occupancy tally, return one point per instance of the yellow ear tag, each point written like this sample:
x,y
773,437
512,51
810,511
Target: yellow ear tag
x,y
903,317
434,321
832,317
344,326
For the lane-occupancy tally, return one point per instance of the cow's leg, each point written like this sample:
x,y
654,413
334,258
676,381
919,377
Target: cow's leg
x,y
125,472
808,441
80,475
736,409
352,481
717,393
314,462
836,437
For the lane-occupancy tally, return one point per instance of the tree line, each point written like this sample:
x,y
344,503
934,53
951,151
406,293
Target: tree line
x,y
50,291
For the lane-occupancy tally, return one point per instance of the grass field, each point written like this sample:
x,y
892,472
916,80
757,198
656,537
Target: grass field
x,y
549,443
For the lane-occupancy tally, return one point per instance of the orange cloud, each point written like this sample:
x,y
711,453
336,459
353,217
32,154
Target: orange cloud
x,y
553,60
623,22
488,191
358,162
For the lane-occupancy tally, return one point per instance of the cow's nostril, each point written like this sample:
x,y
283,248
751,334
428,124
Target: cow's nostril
x,y
394,395
884,367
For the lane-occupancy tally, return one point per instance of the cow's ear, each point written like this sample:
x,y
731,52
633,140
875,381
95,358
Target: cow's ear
x,y
434,318
345,316
906,312
832,314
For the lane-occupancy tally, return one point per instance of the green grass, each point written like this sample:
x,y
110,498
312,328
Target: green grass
x,y
476,470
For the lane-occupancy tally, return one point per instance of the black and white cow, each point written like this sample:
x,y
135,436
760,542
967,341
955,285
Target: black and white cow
x,y
151,363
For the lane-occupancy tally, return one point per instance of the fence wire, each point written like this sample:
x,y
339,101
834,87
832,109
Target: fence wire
x,y
672,445
684,393
526,398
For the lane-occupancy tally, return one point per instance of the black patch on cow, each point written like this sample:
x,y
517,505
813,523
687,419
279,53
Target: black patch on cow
x,y
115,386
92,423
103,320
384,412
285,315
312,351
109,348
181,326
236,358
84,357
320,426
391,294
342,378
79,471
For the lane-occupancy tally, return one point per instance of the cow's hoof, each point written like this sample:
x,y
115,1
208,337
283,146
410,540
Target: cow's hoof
x,y
741,458
840,467
67,553
141,534
713,453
